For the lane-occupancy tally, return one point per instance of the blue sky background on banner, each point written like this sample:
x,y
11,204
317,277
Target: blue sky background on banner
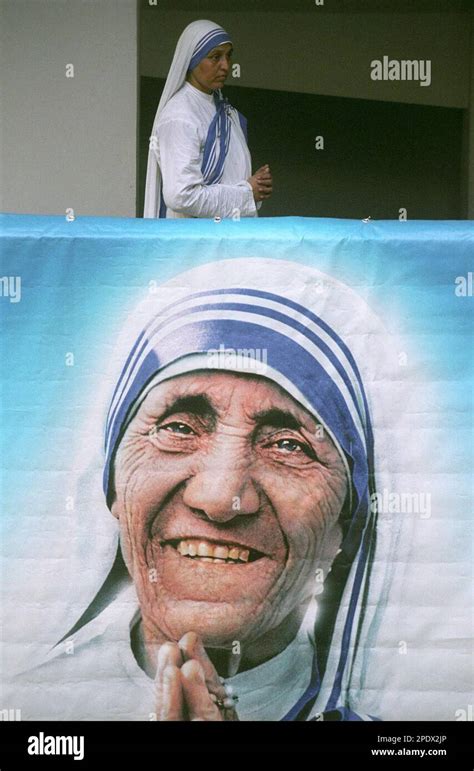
x,y
80,280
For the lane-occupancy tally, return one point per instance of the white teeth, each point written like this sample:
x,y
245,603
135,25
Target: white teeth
x,y
210,552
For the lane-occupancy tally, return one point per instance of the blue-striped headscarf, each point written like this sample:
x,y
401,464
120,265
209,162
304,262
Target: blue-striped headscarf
x,y
215,37
306,356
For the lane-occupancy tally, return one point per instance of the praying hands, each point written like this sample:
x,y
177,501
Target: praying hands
x,y
187,684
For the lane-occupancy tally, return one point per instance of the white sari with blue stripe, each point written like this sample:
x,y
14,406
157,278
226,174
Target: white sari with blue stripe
x,y
203,157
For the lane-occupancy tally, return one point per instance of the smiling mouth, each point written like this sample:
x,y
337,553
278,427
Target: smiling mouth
x,y
210,551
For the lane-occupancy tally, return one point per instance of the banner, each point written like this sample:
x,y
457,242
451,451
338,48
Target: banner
x,y
251,441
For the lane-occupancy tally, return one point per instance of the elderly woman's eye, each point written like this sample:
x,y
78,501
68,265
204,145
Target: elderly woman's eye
x,y
292,446
176,428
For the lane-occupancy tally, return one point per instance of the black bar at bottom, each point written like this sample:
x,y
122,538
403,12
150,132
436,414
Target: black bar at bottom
x,y
57,744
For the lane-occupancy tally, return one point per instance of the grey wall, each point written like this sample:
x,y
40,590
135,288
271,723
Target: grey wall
x,y
69,142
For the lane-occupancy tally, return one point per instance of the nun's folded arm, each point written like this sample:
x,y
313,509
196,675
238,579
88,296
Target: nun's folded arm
x,y
184,189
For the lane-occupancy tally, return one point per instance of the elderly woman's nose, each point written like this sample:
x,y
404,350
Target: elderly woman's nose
x,y
222,493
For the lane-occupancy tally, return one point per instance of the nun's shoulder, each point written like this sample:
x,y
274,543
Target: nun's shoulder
x,y
178,108
91,684
93,675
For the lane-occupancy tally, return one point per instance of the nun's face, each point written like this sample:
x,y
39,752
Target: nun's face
x,y
228,495
212,71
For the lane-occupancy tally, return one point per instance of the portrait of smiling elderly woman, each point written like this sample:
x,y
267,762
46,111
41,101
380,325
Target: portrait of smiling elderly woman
x,y
241,491
224,486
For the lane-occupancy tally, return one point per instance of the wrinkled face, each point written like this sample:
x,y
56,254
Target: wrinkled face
x,y
228,495
212,71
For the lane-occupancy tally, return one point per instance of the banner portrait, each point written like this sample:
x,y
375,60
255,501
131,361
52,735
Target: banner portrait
x,y
236,469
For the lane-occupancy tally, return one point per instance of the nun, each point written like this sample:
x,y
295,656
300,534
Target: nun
x,y
199,163
240,582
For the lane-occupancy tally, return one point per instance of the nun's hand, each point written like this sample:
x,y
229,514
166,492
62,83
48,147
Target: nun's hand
x,y
187,685
262,183
193,649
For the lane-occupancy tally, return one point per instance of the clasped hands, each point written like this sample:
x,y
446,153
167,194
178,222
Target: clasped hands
x,y
187,684
262,183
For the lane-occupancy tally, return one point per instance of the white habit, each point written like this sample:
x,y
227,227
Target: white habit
x,y
181,132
